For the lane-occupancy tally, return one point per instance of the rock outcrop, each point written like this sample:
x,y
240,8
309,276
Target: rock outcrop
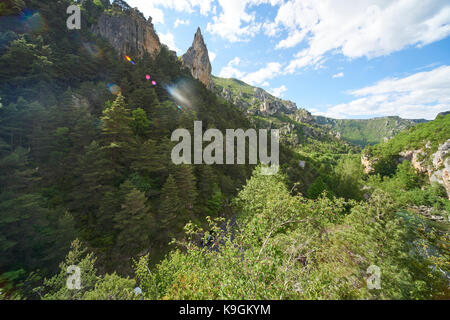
x,y
304,116
196,59
127,31
270,105
367,163
438,171
441,164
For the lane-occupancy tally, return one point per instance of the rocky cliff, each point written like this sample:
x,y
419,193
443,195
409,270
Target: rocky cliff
x,y
437,170
127,31
251,99
196,59
257,101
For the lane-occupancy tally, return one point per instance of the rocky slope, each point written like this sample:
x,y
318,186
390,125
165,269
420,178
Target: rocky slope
x,y
439,168
127,31
251,99
427,147
257,101
196,59
437,171
367,131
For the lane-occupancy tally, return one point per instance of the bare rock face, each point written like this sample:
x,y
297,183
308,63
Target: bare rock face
x,y
441,164
304,116
128,32
270,105
438,171
417,159
367,163
196,59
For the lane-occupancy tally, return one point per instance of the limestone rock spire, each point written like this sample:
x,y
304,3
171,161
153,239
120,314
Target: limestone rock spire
x,y
196,59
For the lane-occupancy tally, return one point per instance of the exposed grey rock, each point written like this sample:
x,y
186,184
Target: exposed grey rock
x,y
441,163
438,172
129,33
304,116
196,59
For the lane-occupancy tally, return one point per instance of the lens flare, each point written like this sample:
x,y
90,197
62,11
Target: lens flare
x,y
26,22
129,59
92,49
179,92
113,88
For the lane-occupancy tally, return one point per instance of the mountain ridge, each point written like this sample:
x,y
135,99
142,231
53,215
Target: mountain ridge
x,y
257,101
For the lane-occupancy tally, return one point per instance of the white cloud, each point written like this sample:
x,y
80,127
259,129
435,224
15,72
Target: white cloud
x,y
188,6
152,8
234,23
294,38
212,56
363,28
259,77
148,9
278,92
169,40
421,95
271,29
270,71
338,75
180,22
229,71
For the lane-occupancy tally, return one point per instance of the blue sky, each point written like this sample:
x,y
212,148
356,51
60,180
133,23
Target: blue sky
x,y
343,59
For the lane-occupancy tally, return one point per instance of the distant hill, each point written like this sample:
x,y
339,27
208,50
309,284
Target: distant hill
x,y
368,131
251,99
260,103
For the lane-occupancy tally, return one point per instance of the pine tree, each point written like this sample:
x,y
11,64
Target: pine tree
x,y
206,180
214,204
134,221
187,191
171,208
56,288
144,98
316,189
117,135
140,123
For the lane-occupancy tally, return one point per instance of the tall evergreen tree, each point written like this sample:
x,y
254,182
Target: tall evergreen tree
x,y
117,136
134,221
187,191
171,208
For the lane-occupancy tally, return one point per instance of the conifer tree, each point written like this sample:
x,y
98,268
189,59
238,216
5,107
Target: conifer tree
x,y
205,181
117,135
171,208
187,191
134,221
214,203
140,123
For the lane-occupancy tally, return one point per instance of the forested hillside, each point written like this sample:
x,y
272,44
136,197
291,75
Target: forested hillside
x,y
85,147
86,179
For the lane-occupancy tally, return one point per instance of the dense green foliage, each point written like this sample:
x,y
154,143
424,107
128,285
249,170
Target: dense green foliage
x,y
76,160
86,178
431,133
